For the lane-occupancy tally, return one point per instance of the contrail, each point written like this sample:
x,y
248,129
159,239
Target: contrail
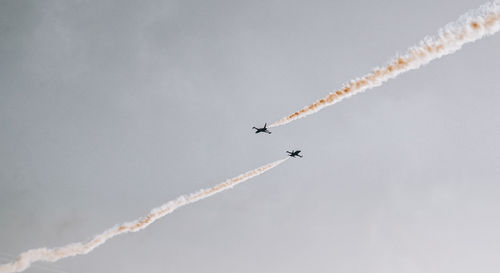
x,y
25,259
7,258
470,27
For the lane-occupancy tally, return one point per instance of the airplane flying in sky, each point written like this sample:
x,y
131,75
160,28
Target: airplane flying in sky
x,y
261,130
294,153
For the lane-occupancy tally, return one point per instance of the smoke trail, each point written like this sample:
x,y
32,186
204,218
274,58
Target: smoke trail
x,y
53,254
7,258
470,27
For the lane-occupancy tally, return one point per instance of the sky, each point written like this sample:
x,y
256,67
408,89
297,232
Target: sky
x,y
111,108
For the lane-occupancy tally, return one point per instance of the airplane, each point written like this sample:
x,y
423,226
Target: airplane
x,y
294,153
261,130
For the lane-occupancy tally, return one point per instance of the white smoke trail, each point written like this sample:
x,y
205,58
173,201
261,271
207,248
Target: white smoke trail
x,y
7,258
25,259
470,27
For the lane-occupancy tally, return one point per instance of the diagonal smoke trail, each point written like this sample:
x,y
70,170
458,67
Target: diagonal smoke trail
x,y
7,258
470,27
25,259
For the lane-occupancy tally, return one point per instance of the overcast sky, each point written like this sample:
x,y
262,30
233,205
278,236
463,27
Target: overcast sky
x,y
110,108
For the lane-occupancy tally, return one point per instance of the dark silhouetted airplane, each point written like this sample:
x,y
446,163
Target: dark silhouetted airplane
x,y
294,153
261,130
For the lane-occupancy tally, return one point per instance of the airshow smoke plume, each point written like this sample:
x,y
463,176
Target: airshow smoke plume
x,y
25,259
470,27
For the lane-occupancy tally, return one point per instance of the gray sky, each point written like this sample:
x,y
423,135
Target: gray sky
x,y
110,108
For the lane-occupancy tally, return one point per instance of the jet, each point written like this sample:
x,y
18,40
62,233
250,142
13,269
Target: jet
x,y
261,130
294,153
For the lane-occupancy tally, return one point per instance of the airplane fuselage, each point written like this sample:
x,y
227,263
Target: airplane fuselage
x,y
261,130
294,153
